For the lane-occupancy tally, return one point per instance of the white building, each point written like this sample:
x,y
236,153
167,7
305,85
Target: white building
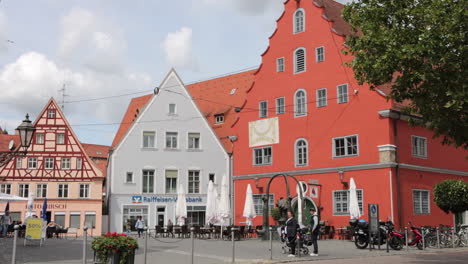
x,y
169,142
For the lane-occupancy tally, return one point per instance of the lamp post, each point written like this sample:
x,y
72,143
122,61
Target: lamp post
x,y
25,131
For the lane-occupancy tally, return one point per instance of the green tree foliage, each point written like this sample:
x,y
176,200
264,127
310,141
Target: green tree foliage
x,y
452,196
421,47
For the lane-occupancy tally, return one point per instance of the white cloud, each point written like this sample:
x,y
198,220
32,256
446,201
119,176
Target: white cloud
x,y
91,41
29,82
178,49
247,7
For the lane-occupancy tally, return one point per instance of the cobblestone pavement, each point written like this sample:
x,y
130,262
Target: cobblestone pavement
x,y
68,251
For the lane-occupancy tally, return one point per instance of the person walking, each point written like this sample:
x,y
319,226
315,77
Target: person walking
x,y
314,229
140,225
5,221
291,232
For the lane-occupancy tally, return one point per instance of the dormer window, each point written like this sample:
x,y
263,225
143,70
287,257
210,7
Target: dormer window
x,y
172,109
219,119
233,91
51,113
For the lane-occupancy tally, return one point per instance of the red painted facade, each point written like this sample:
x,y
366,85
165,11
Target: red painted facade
x,y
386,176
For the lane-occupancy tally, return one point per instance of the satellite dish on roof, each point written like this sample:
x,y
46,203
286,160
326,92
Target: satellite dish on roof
x,y
11,145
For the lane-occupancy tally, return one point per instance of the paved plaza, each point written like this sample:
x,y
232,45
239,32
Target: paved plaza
x,y
173,251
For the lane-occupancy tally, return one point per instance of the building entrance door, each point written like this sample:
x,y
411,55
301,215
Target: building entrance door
x,y
308,204
160,216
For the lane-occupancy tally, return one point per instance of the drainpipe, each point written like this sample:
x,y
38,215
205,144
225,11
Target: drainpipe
x,y
397,167
110,164
231,177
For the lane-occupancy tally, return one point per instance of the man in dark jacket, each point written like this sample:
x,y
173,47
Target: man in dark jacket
x,y
291,232
314,229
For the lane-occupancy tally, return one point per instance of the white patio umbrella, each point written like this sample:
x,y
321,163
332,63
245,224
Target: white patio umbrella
x,y
249,207
211,204
11,198
181,206
224,211
29,206
354,211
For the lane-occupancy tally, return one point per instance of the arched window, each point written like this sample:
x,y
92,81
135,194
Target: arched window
x,y
299,21
299,60
301,152
300,103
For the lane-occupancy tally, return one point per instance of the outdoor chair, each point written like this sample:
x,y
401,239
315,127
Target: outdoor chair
x,y
159,231
185,231
226,233
170,231
196,231
242,232
72,231
216,231
178,231
331,234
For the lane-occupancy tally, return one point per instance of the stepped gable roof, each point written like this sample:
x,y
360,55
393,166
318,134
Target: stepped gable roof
x,y
212,97
132,112
332,12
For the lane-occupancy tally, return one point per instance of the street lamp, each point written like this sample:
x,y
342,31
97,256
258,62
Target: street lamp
x,y
25,131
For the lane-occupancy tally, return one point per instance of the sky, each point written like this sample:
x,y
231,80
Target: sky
x,y
109,48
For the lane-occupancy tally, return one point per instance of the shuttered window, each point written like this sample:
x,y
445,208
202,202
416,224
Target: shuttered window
x,y
299,60
421,202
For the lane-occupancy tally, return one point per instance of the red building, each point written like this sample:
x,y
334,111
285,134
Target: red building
x,y
307,116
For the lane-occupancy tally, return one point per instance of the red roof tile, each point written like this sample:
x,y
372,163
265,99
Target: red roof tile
x,y
215,96
5,141
96,151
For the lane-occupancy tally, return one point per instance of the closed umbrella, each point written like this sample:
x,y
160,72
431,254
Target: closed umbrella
x,y
8,197
211,202
29,207
249,207
181,206
354,211
299,204
224,211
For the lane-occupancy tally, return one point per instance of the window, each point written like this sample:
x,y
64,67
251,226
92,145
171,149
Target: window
x,y
299,21
258,203
65,165
51,113
299,60
262,156
300,104
233,91
219,119
421,202
280,105
79,163
32,163
40,139
59,218
75,219
84,190
342,93
322,97
194,140
263,109
129,177
341,202
19,163
62,191
196,215
280,65
194,181
41,190
319,54
345,146
49,163
131,213
419,146
148,139
301,152
23,190
171,181
211,177
60,138
148,181
90,219
172,109
5,188
171,140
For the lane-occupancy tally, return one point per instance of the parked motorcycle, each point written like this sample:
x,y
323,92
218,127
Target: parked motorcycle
x,y
361,234
395,239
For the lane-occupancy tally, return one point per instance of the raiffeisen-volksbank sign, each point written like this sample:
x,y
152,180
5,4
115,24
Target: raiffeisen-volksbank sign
x,y
161,199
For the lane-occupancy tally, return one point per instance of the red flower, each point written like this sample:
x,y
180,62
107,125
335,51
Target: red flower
x,y
116,250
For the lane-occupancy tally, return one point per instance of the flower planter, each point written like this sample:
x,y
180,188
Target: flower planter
x,y
114,248
115,258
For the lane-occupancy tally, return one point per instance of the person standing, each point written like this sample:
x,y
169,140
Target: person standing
x,y
291,232
128,227
314,229
140,225
5,220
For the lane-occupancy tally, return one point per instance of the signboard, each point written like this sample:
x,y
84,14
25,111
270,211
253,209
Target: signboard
x,y
160,199
374,218
264,132
34,228
313,191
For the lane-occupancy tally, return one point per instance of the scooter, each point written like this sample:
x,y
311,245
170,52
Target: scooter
x,y
361,234
395,239
417,237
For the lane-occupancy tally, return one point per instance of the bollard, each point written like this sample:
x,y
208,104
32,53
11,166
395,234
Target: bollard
x,y
438,238
193,243
271,243
233,229
422,234
406,238
453,237
85,237
146,243
13,255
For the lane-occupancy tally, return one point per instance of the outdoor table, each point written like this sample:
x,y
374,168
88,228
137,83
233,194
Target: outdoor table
x,y
178,230
207,230
341,233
